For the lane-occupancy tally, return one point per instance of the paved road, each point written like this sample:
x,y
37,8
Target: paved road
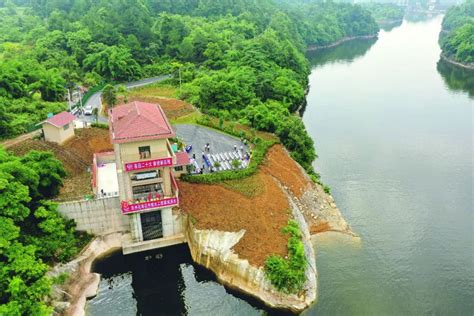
x,y
96,102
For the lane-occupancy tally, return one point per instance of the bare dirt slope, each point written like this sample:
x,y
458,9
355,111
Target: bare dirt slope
x,y
231,209
76,156
318,207
259,205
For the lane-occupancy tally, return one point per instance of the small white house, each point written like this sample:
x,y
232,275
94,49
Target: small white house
x,y
59,128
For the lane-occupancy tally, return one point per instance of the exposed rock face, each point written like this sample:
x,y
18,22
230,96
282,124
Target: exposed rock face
x,y
213,249
321,212
70,299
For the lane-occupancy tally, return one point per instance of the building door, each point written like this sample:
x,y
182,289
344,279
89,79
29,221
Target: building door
x,y
152,227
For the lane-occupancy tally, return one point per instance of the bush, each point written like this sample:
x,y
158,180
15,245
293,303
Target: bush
x,y
327,189
288,275
100,125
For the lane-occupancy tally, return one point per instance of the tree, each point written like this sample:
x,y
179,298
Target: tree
x,y
122,91
32,232
110,95
50,84
50,172
95,113
236,163
113,63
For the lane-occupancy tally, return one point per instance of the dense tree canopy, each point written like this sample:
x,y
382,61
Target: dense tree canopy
x,y
242,60
385,12
33,232
457,36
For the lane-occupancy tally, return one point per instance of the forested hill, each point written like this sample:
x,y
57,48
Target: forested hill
x,y
385,12
457,36
239,59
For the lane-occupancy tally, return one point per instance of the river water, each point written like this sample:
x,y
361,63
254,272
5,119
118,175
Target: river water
x,y
393,129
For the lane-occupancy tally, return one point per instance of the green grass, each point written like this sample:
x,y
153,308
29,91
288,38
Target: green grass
x,y
249,187
191,118
161,89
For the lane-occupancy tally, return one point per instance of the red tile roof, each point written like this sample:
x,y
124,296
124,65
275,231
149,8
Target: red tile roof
x,y
182,158
61,119
137,121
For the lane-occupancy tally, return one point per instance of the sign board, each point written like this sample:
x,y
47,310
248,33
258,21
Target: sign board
x,y
133,208
146,175
147,164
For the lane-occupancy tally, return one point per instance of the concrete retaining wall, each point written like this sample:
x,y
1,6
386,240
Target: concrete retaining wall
x,y
98,217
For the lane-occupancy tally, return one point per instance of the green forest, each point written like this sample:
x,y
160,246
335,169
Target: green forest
x,y
385,12
33,233
457,35
239,60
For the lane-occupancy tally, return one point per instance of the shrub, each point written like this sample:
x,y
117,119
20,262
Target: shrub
x,y
327,189
288,275
100,125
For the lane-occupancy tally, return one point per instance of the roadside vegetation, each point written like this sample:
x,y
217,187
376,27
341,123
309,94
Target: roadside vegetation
x,y
33,233
288,274
457,35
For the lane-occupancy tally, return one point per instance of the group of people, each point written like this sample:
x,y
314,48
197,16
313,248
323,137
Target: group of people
x,y
241,148
207,150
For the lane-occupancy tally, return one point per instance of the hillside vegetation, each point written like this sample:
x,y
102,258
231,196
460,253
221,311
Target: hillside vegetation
x,y
33,233
385,12
457,36
240,60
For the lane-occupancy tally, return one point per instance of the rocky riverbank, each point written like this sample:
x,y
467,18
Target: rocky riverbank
x,y
345,39
233,246
221,248
453,62
214,250
70,298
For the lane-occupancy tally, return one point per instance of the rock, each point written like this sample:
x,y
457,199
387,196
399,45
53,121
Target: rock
x,y
93,287
61,307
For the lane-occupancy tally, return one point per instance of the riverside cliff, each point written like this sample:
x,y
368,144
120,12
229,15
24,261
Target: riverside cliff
x,y
231,228
232,233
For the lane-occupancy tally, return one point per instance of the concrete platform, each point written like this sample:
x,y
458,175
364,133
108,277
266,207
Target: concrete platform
x,y
199,136
107,179
129,247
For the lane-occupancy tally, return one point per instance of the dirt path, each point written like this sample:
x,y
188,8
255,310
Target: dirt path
x,y
11,142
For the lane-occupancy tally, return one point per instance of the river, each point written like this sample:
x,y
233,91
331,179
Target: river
x,y
394,138
393,129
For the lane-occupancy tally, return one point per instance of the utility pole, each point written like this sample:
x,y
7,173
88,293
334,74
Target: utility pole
x,y
80,97
69,98
179,71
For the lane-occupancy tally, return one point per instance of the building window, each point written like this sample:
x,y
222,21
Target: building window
x,y
144,152
66,127
146,175
178,168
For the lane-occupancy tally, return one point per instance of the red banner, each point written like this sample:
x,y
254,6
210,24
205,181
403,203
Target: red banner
x,y
147,164
133,208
